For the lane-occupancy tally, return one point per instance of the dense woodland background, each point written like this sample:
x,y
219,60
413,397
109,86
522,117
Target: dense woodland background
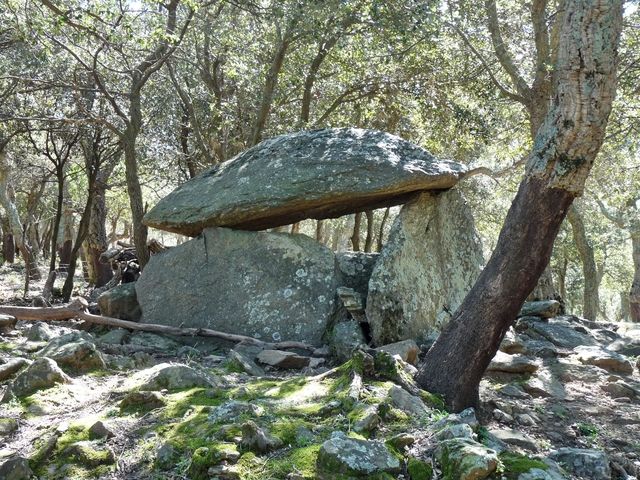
x,y
106,106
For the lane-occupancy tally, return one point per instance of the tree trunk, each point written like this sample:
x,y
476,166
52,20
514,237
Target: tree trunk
x,y
320,231
624,315
135,198
355,236
66,238
284,40
97,239
8,245
564,151
57,218
634,293
590,302
457,361
383,223
368,242
32,271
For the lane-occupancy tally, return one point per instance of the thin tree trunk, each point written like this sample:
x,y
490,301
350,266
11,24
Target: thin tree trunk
x,y
562,276
32,271
320,231
284,40
310,79
57,218
564,151
135,197
97,238
66,237
383,223
83,229
368,243
355,236
8,245
625,315
590,302
634,293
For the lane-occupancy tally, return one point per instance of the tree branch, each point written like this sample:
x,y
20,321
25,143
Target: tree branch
x,y
499,46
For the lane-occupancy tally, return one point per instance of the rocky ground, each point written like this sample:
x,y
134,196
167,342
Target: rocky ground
x,y
561,400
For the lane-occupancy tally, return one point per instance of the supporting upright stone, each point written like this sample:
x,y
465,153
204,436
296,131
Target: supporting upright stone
x,y
271,286
431,260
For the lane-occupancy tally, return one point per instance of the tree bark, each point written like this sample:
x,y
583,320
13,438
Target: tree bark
x,y
634,293
57,218
134,190
368,242
564,151
262,113
15,224
8,244
320,231
383,223
355,236
590,302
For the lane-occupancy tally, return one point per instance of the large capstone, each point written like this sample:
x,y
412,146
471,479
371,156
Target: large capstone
x,y
311,174
430,262
271,286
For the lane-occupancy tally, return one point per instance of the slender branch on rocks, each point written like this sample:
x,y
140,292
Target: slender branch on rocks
x,y
77,309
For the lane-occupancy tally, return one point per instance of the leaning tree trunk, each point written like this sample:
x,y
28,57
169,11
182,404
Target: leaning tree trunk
x,y
135,197
590,304
564,151
634,293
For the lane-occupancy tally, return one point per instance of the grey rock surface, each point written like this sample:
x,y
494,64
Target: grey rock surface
x,y
121,302
310,174
540,308
561,333
16,469
406,402
74,353
282,359
514,437
270,286
42,373
172,377
603,358
348,458
12,366
355,270
431,260
585,463
345,338
40,332
466,459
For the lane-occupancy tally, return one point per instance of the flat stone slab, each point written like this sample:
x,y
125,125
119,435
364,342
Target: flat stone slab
x,y
603,358
311,174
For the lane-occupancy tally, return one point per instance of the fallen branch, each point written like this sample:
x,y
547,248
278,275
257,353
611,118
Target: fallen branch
x,y
77,309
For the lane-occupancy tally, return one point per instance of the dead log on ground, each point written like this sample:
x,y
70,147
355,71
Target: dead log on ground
x,y
77,309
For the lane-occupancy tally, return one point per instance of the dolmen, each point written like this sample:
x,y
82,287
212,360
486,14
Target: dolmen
x,y
235,277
